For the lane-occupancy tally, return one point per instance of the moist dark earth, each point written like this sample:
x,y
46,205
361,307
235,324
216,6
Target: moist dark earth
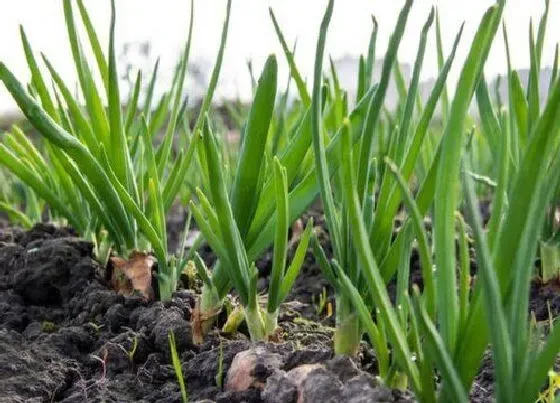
x,y
66,336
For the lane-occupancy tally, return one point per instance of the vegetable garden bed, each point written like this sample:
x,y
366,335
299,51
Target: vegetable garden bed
x,y
67,336
207,270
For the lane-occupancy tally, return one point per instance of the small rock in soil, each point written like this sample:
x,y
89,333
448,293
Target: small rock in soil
x,y
320,385
117,317
363,389
280,389
71,341
343,367
250,368
171,320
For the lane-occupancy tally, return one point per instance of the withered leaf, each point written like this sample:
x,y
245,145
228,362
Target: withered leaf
x,y
133,274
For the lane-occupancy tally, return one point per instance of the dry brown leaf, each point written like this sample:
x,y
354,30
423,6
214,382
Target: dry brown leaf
x,y
277,336
133,275
201,323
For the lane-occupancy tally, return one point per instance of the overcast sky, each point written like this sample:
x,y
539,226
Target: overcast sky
x,y
164,24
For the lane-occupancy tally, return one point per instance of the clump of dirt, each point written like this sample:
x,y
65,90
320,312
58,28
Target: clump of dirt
x,y
545,299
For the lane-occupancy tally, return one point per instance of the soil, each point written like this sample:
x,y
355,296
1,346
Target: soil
x,y
66,336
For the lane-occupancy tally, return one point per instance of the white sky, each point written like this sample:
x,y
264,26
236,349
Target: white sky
x,y
164,23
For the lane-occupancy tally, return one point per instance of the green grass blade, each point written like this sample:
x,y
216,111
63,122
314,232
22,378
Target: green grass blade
x,y
370,61
296,264
211,215
521,110
424,362
155,200
177,175
211,236
322,261
202,270
421,236
253,278
95,45
176,362
150,92
118,149
280,133
500,203
94,104
159,115
31,152
362,74
37,78
513,129
67,188
84,129
294,72
533,99
501,342
246,192
400,82
132,106
407,114
490,125
323,176
209,95
366,146
439,48
65,120
542,32
554,74
281,237
465,271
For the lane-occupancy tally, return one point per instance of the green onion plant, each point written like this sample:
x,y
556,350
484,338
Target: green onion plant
x,y
99,168
373,178
225,217
451,335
